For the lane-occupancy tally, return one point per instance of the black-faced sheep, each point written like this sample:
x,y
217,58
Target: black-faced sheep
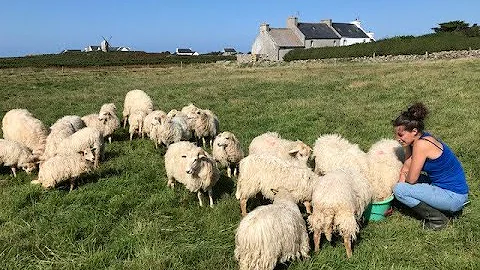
x,y
270,234
193,167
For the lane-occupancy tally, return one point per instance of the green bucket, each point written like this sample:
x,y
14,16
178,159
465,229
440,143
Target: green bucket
x,y
377,211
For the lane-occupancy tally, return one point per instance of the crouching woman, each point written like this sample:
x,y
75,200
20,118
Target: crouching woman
x,y
445,188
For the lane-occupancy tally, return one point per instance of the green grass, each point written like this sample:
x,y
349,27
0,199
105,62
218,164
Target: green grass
x,y
123,216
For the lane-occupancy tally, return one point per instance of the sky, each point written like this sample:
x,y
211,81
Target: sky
x,y
30,27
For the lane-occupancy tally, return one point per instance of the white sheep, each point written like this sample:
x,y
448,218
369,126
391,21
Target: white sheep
x,y
262,173
339,200
60,130
21,126
150,118
193,167
87,137
332,152
271,143
136,100
270,234
205,126
135,121
172,130
106,121
227,152
64,167
16,155
385,159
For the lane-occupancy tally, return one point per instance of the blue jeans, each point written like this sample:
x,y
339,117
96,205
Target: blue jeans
x,y
439,198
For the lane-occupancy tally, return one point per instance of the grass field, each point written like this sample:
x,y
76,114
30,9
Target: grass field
x,y
123,216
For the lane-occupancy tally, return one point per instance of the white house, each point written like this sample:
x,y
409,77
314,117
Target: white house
x,y
188,52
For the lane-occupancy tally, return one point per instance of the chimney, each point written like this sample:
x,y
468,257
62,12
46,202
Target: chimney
x,y
292,22
264,27
327,22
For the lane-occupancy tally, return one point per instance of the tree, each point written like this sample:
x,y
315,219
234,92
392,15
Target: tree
x,y
452,26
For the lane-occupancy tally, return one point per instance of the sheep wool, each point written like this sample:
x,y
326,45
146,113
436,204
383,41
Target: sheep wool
x,y
262,173
136,100
87,137
339,200
63,167
385,159
270,234
193,167
227,152
135,120
60,130
15,155
21,126
271,143
150,118
332,152
172,130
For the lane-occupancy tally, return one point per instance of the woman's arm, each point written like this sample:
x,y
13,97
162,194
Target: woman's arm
x,y
406,164
418,157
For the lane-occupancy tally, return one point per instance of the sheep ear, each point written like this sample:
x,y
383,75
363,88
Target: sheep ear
x,y
274,191
293,152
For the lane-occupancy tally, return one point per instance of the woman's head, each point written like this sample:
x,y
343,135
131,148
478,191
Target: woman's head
x,y
409,124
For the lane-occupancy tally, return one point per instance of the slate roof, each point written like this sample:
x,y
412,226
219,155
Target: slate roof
x,y
349,30
285,37
184,51
229,50
317,31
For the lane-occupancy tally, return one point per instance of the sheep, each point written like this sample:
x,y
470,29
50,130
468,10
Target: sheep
x,y
16,155
136,100
262,173
106,121
339,200
149,119
385,159
60,130
65,167
227,152
21,126
205,125
270,234
78,141
193,167
271,143
135,120
172,130
332,152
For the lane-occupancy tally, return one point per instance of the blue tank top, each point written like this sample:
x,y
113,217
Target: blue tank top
x,y
446,171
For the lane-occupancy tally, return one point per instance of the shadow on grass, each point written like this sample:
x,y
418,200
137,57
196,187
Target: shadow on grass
x,y
92,177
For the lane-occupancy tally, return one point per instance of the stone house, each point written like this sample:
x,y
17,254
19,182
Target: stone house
x,y
274,43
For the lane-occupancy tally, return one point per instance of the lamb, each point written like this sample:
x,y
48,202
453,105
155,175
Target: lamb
x,y
332,152
172,130
80,140
135,120
15,155
227,152
193,167
270,234
65,167
150,118
271,143
339,200
106,121
60,130
385,159
21,126
136,100
262,173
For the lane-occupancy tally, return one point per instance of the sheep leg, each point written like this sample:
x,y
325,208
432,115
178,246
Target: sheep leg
x,y
72,184
229,173
171,182
131,136
316,239
14,171
200,198
308,206
210,196
124,122
348,245
204,143
109,139
243,206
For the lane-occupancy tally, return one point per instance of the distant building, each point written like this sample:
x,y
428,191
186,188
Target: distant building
x,y
274,43
92,48
182,51
229,51
69,50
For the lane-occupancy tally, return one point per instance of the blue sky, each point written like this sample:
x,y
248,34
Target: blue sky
x,y
49,26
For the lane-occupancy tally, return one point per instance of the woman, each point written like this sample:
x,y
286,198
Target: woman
x,y
446,187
